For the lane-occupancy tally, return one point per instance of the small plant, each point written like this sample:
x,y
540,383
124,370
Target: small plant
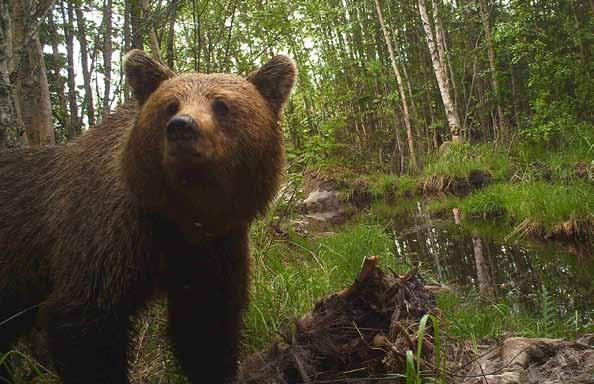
x,y
547,321
413,361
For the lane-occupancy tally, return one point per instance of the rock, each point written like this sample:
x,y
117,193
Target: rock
x,y
322,201
324,208
534,360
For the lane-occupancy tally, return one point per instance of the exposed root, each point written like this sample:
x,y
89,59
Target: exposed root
x,y
361,332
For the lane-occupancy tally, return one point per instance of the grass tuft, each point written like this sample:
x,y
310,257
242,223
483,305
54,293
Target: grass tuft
x,y
536,208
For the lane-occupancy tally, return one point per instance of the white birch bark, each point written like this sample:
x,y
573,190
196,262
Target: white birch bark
x,y
401,91
440,74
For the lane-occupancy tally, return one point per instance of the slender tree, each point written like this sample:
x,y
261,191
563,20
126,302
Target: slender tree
x,y
440,74
75,122
84,56
149,24
59,83
171,34
8,116
401,91
107,53
501,126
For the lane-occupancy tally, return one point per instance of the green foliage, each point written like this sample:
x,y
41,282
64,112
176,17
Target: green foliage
x,y
27,368
388,186
459,160
534,158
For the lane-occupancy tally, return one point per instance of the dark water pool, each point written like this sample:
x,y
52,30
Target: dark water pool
x,y
480,256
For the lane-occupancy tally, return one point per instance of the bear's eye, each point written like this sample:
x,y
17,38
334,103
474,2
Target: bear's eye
x,y
220,107
172,108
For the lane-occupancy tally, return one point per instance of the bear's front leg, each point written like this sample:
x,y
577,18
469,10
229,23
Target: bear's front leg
x,y
88,345
206,300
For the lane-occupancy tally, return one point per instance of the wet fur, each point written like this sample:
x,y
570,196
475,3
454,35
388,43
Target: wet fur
x,y
91,230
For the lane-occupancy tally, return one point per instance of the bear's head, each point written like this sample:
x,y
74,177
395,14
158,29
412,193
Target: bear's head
x,y
206,150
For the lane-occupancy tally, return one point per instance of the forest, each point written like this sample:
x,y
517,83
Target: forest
x,y
451,137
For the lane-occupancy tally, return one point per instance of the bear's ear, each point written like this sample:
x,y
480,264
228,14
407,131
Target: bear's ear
x,y
275,80
144,74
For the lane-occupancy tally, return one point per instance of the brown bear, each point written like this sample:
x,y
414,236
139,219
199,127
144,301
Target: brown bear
x,y
157,198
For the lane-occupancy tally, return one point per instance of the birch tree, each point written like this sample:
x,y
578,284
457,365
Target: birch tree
x,y
440,73
107,53
84,55
401,91
32,91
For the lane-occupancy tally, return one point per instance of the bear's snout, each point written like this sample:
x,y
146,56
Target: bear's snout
x,y
182,127
187,142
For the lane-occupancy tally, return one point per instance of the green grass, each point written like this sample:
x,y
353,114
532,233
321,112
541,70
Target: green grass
x,y
387,186
461,159
468,317
535,207
557,160
290,276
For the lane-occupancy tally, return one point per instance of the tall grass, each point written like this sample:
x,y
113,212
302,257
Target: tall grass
x,y
382,185
535,207
289,276
467,317
461,159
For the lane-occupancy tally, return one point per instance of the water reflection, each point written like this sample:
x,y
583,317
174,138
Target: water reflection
x,y
518,271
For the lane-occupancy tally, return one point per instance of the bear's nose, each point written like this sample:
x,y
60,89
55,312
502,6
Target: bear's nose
x,y
182,127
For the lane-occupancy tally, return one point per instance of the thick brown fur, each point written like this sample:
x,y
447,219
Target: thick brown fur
x,y
91,230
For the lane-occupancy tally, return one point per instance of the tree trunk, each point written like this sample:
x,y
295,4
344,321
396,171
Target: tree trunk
x,y
442,49
135,9
152,34
32,91
197,51
440,74
483,270
501,123
127,47
8,116
75,126
407,122
171,34
58,80
107,52
84,54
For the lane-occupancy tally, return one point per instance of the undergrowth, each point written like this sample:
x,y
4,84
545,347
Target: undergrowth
x,y
468,317
459,160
